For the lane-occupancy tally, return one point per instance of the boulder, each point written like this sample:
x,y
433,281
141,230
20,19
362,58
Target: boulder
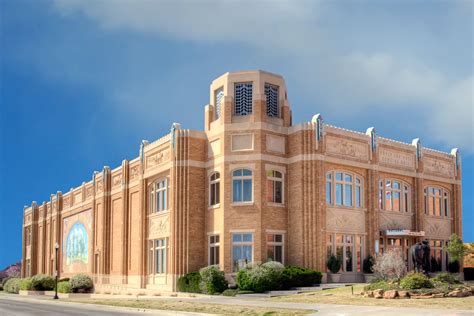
x,y
391,294
459,293
403,294
378,293
422,296
438,295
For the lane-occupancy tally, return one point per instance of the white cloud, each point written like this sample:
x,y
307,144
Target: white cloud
x,y
311,38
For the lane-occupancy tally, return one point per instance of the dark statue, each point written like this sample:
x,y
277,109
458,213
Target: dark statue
x,y
420,254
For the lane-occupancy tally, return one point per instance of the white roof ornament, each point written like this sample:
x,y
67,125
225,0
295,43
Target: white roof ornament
x,y
457,155
143,144
373,138
419,148
319,121
175,126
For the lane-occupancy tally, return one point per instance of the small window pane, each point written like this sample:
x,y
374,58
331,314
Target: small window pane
x,y
348,195
236,237
338,176
237,173
247,172
247,237
247,197
338,194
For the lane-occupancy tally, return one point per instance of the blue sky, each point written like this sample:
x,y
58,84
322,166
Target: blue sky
x,y
82,82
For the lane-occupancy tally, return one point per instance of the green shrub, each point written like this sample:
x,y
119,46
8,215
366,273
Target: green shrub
x,y
445,278
261,277
367,264
413,281
26,284
81,283
5,281
190,283
297,277
333,264
230,292
42,282
12,285
64,287
381,284
213,280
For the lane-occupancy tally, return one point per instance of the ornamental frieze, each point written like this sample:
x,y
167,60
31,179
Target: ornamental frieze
x,y
395,221
134,172
345,220
100,186
397,158
439,167
437,228
347,148
159,226
116,180
158,158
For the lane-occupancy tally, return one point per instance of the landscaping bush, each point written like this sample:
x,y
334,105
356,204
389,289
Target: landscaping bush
x,y
12,285
468,274
64,287
4,280
190,283
381,284
261,277
230,292
42,282
413,281
334,264
446,278
26,284
298,277
390,265
213,280
454,266
368,264
81,283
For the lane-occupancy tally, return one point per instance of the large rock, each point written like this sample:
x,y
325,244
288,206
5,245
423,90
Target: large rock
x,y
459,293
391,294
403,294
378,293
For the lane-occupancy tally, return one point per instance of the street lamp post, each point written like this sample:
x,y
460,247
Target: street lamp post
x,y
56,272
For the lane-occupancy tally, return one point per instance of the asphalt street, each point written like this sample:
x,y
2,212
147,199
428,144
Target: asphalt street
x,y
25,307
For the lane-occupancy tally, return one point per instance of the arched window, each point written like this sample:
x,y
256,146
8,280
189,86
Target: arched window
x,y
274,186
394,195
436,201
159,196
242,186
271,92
214,189
344,189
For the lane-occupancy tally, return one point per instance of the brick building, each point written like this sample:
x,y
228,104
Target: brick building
x,y
251,187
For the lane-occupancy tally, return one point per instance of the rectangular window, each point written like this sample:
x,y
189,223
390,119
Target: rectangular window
x,y
214,250
242,186
214,189
242,250
329,188
274,187
157,258
348,195
218,97
243,99
338,194
275,247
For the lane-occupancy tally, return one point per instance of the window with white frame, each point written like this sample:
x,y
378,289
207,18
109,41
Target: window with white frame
x,y
157,256
274,186
214,189
394,195
243,98
436,201
218,98
271,92
242,186
344,189
214,249
242,250
275,244
159,196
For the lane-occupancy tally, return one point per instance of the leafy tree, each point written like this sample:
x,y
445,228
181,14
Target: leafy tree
x,y
456,249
